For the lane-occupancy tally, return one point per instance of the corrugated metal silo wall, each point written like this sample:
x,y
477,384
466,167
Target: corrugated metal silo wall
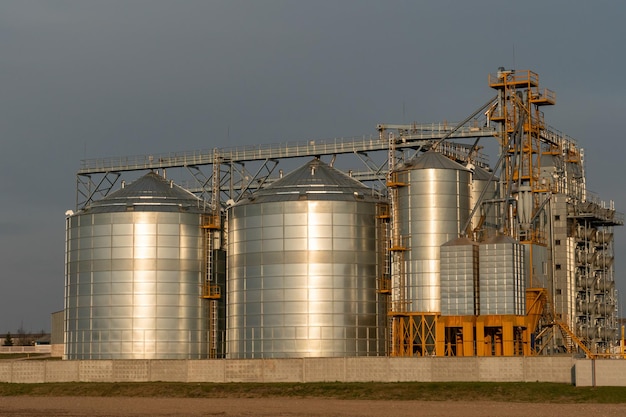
x,y
302,280
432,209
132,286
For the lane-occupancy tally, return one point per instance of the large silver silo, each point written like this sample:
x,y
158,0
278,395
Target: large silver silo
x,y
301,274
134,273
431,208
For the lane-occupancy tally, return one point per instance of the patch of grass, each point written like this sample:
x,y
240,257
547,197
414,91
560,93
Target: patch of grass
x,y
436,391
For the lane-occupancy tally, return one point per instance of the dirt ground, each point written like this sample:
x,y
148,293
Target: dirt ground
x,y
292,407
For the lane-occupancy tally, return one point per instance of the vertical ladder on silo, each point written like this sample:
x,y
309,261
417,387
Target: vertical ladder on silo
x,y
213,328
212,226
384,268
401,323
382,219
210,289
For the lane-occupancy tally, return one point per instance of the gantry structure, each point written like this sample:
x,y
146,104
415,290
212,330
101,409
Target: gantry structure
x,y
223,176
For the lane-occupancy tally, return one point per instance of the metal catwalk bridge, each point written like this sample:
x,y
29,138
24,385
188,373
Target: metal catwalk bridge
x,y
97,177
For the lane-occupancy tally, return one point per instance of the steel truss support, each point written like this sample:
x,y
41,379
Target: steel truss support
x,y
414,334
87,188
203,189
377,172
235,180
255,181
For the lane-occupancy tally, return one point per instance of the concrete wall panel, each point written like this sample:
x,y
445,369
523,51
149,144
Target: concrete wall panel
x,y
28,372
367,369
95,371
131,370
168,370
584,373
549,369
283,370
206,371
5,372
410,369
454,369
600,373
57,371
244,370
500,369
324,369
610,373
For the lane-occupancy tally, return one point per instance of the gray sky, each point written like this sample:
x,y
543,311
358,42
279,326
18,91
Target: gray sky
x,y
115,78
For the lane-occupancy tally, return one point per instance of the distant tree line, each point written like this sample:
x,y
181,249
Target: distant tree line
x,y
21,338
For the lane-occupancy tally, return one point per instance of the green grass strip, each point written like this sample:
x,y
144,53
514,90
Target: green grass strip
x,y
530,392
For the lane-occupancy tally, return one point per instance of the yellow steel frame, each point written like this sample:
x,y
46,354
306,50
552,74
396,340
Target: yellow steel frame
x,y
520,101
212,292
414,334
488,335
426,334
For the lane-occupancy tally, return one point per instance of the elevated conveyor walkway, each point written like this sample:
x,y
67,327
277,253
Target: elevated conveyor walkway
x,y
420,135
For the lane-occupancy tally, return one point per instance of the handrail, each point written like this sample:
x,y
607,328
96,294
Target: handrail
x,y
357,144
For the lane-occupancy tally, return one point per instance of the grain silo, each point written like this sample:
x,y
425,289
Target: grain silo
x,y
431,209
502,276
134,274
302,268
459,277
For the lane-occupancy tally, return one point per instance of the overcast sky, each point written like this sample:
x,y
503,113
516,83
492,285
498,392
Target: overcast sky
x,y
92,79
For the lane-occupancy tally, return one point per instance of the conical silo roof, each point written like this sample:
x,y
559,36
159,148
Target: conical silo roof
x,y
434,160
315,180
148,193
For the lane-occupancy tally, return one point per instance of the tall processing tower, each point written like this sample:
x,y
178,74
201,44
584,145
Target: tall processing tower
x,y
568,232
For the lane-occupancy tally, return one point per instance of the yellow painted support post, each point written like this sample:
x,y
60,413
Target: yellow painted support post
x,y
525,342
497,338
480,336
468,336
526,337
440,343
507,337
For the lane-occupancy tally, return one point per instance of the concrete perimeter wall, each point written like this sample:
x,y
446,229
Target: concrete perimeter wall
x,y
383,369
600,373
